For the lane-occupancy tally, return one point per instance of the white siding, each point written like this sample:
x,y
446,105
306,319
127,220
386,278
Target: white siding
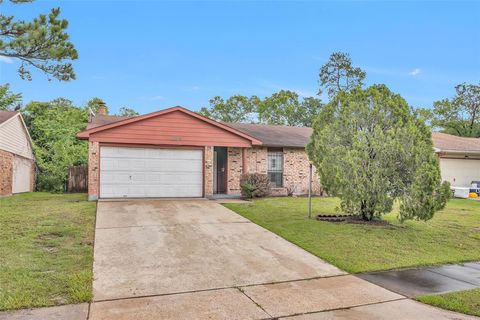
x,y
14,138
460,172
22,175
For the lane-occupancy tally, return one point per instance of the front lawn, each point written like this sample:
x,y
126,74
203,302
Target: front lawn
x,y
453,235
462,301
46,249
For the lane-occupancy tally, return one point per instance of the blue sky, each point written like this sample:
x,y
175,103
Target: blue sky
x,y
153,54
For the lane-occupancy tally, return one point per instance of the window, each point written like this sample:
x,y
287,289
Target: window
x,y
275,167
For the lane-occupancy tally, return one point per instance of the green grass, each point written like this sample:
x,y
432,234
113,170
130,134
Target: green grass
x,y
46,250
467,302
453,235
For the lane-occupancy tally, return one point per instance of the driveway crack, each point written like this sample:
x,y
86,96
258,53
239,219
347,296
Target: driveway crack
x,y
256,303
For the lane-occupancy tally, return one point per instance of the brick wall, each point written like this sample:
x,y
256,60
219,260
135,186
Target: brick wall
x,y
6,173
235,168
257,160
296,172
93,163
208,183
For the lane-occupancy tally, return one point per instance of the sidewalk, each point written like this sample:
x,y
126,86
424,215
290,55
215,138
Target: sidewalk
x,y
435,280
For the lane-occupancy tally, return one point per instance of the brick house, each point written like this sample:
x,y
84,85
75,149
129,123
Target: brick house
x,y
17,163
178,153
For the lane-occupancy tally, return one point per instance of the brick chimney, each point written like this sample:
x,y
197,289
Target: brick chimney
x,y
102,108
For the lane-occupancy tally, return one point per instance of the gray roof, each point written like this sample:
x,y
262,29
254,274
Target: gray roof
x,y
101,120
276,136
449,143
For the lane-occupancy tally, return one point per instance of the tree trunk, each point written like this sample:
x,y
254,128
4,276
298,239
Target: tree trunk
x,y
367,214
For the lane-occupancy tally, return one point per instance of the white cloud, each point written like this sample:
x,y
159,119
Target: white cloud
x,y
195,88
415,72
157,98
6,59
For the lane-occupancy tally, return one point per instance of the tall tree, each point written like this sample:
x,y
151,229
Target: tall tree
x,y
236,108
8,99
285,108
53,126
128,112
459,115
95,103
339,75
370,149
41,43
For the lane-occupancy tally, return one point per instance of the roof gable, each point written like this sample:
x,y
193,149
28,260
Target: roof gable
x,y
14,136
173,126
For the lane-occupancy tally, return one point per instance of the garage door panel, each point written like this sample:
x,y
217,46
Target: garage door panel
x,y
142,172
22,169
460,172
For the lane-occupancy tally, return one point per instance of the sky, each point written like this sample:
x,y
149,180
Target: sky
x,y
149,55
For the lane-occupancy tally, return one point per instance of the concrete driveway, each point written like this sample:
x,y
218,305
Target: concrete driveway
x,y
195,259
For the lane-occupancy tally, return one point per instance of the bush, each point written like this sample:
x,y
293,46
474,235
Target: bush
x,y
255,185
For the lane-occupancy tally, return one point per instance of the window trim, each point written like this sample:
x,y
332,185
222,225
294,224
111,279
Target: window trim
x,y
278,154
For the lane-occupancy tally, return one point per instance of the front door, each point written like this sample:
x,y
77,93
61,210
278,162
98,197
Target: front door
x,y
220,169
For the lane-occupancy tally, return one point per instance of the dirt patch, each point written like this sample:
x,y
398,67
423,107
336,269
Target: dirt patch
x,y
86,242
50,249
49,236
351,219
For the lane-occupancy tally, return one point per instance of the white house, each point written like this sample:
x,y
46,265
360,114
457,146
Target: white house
x,y
459,158
17,163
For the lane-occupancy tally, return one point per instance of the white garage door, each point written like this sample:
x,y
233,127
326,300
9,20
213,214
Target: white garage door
x,y
22,173
460,172
149,172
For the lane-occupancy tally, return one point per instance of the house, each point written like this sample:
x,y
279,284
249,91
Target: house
x,y
178,153
17,163
459,158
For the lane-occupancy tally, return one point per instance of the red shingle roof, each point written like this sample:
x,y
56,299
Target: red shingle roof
x,y
5,115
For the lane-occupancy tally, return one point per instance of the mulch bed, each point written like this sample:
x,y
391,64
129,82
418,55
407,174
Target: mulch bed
x,y
350,219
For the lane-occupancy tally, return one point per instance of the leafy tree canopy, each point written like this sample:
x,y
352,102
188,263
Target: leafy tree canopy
x,y
236,108
339,75
126,111
281,108
370,149
285,108
95,103
53,127
41,43
8,99
459,115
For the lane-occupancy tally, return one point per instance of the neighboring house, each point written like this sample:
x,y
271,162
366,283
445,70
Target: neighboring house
x,y
459,158
17,163
178,153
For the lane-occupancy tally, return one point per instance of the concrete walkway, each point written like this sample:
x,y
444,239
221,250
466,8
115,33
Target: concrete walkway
x,y
174,260
416,282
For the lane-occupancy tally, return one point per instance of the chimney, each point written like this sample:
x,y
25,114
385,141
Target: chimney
x,y
102,108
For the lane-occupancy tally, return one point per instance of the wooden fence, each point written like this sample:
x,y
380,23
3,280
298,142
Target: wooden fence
x,y
77,179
